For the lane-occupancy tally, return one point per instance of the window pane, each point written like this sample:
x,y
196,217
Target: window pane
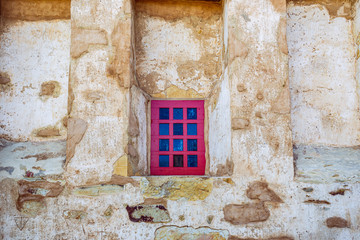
x,y
163,160
178,113
178,161
192,161
163,129
191,113
192,129
178,144
164,145
178,129
192,144
164,113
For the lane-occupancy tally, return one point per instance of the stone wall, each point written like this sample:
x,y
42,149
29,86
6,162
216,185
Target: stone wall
x,y
249,191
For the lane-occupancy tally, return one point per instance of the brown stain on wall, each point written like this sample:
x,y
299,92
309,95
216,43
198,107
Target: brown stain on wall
x,y
50,88
172,10
336,8
279,5
4,78
35,10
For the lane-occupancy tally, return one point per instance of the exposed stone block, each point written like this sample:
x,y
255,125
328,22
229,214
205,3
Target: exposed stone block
x,y
260,191
32,208
337,222
120,180
175,188
245,213
174,232
148,213
32,195
76,130
97,190
239,123
48,132
35,10
121,166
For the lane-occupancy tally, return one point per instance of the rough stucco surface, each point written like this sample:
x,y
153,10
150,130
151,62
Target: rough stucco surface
x,y
324,93
261,188
32,53
178,48
97,97
324,98
263,147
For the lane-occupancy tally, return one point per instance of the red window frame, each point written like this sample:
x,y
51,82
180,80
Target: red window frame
x,y
155,169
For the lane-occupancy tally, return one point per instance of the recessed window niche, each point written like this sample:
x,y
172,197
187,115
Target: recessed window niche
x,y
179,52
178,47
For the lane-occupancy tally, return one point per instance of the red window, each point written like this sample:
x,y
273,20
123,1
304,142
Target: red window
x,y
177,137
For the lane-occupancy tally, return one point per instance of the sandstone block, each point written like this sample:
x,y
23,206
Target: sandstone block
x,y
260,191
337,222
246,213
148,213
174,232
174,188
48,132
76,130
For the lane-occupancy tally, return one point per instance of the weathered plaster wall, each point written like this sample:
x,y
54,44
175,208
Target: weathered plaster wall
x,y
260,111
178,47
260,200
34,74
99,86
356,32
324,90
324,94
34,68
